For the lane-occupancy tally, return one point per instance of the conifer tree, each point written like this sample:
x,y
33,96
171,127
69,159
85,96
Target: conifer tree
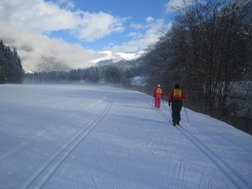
x,y
11,70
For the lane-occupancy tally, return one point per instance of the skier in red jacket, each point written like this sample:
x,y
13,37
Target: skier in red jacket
x,y
176,97
157,93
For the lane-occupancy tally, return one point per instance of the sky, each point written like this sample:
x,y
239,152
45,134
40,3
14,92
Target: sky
x,y
79,33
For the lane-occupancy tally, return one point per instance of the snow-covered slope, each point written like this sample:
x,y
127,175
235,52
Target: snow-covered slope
x,y
62,137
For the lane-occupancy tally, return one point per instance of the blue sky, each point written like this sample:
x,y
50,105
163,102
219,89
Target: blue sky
x,y
131,12
79,33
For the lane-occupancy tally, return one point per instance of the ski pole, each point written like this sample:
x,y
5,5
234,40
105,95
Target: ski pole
x,y
169,107
170,111
164,104
153,102
186,115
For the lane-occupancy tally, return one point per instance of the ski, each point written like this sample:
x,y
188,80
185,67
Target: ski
x,y
174,125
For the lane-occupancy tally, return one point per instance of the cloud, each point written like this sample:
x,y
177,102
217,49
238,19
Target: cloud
x,y
172,5
97,25
137,26
35,49
41,16
149,19
68,4
25,24
153,29
37,15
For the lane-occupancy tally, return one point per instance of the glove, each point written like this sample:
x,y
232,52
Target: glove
x,y
169,104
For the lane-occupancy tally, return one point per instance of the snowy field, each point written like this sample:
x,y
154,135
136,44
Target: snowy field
x,y
81,137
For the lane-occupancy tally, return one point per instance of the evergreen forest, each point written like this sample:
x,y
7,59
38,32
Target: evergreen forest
x,y
11,70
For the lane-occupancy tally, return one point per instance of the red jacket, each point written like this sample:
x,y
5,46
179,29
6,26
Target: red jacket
x,y
157,91
176,94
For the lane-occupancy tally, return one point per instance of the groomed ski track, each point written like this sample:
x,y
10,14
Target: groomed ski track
x,y
56,136
224,167
47,171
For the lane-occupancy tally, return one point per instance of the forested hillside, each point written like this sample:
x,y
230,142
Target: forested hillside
x,y
116,73
10,65
209,52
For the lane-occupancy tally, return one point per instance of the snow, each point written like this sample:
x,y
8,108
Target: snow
x,y
81,136
139,81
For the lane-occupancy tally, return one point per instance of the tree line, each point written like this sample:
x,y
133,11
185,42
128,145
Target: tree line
x,y
114,73
209,52
11,70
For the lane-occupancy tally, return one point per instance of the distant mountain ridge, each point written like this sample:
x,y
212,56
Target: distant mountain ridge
x,y
119,57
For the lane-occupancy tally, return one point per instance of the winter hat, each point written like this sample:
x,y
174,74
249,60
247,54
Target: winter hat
x,y
176,86
158,85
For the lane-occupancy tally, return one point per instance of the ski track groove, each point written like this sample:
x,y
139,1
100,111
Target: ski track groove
x,y
18,146
228,140
55,124
224,167
112,165
219,135
40,178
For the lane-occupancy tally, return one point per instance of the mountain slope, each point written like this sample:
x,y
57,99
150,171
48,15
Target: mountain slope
x,y
60,136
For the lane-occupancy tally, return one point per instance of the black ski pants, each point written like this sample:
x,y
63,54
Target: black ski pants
x,y
176,108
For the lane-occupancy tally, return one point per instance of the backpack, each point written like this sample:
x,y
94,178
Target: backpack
x,y
177,93
159,91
